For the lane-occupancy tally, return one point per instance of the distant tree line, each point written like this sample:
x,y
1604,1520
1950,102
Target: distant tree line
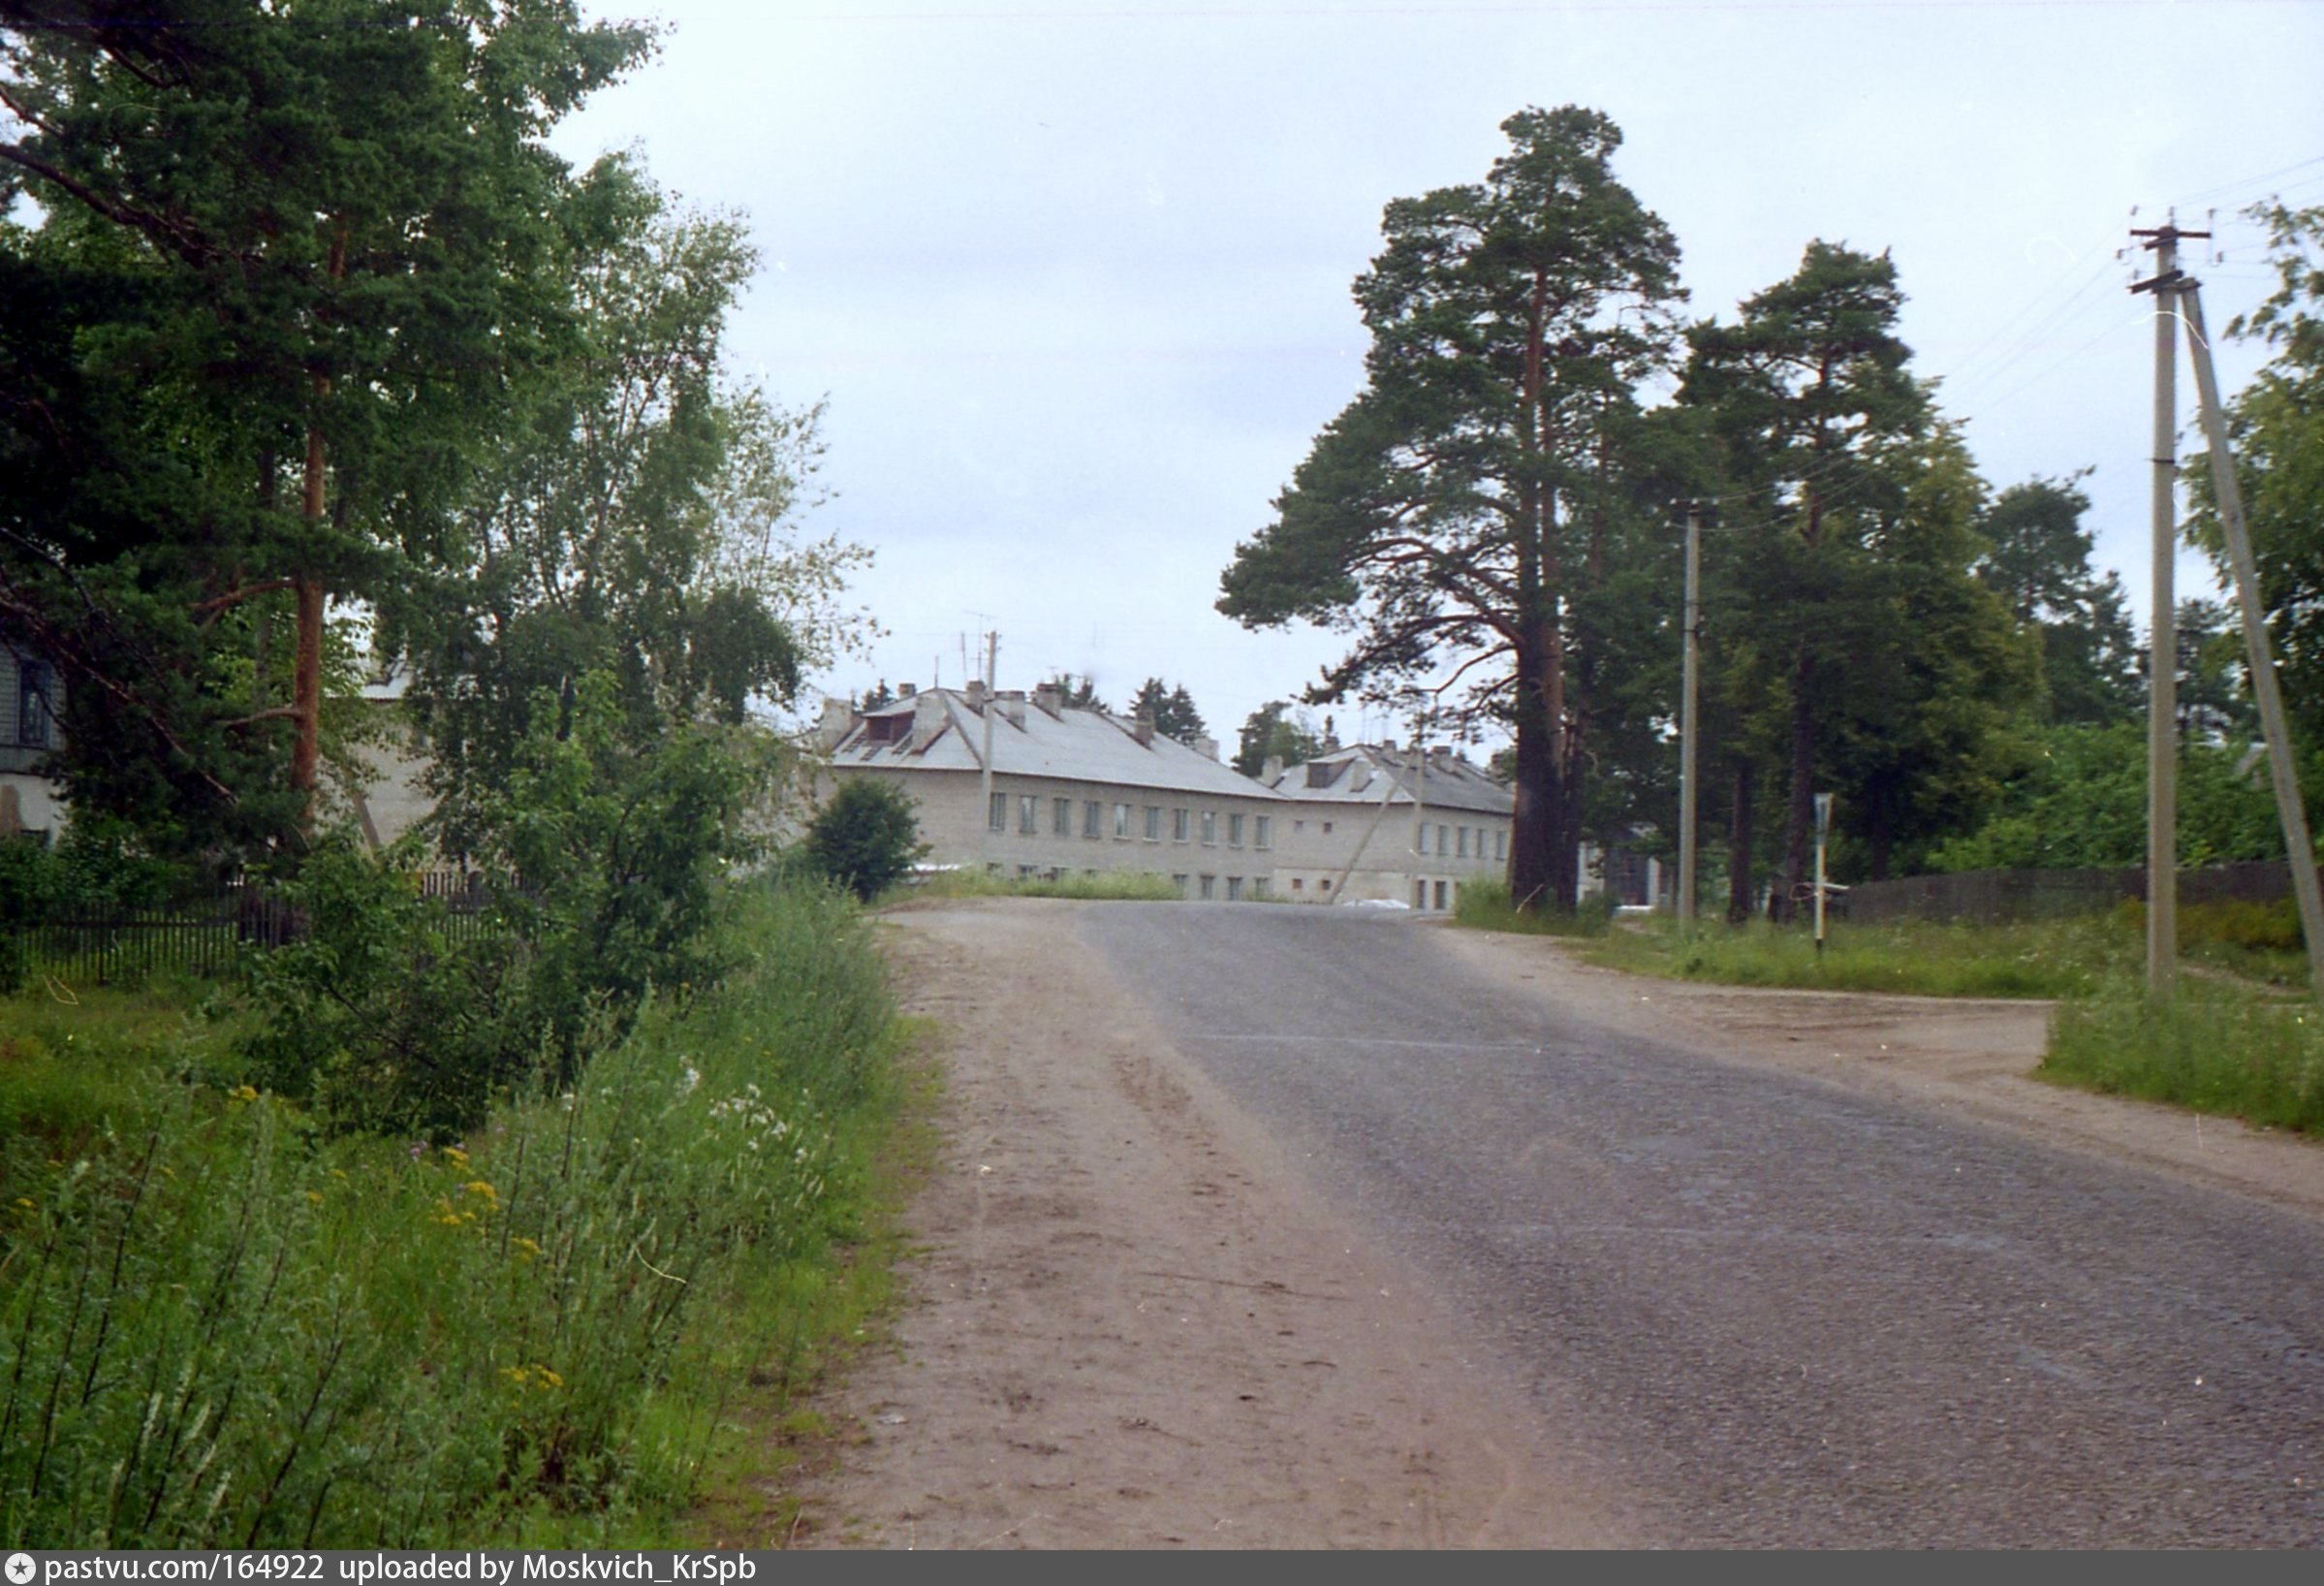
x,y
1497,518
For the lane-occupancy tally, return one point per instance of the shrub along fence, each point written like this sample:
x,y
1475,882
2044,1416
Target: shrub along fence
x,y
205,937
1996,897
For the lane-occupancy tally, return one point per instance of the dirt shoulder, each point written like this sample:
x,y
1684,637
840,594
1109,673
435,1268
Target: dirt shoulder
x,y
1133,1325
1974,1055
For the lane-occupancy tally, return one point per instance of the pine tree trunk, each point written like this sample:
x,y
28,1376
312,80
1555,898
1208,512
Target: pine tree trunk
x,y
1800,817
1739,849
1536,825
306,676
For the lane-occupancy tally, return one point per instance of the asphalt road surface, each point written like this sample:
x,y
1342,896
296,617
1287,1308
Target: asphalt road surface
x,y
1773,1311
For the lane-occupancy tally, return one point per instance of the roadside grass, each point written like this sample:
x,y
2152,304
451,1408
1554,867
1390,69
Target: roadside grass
x,y
1485,905
774,1429
2048,958
227,1323
1106,886
2213,1047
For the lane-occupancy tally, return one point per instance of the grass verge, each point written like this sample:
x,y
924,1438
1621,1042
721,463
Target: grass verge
x,y
2217,1050
1106,886
2050,958
228,1324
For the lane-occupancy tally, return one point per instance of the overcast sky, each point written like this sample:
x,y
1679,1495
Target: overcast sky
x,y
1074,277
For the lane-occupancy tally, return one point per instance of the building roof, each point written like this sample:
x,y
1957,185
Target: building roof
x,y
943,729
1354,775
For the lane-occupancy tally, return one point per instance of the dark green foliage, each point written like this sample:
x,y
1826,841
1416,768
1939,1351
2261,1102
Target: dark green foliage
x,y
376,1016
608,861
866,838
1465,516
329,224
2275,429
1170,709
1273,732
2077,797
615,530
2037,561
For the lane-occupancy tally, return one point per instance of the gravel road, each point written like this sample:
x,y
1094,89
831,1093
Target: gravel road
x,y
1779,1312
1299,1227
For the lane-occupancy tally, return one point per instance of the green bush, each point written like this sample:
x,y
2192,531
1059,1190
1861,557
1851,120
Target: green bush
x,y
866,838
375,1017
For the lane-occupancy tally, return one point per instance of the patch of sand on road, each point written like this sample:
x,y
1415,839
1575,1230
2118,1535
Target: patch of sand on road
x,y
1135,1326
1976,1057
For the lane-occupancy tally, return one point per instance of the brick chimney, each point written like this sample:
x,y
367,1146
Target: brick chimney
x,y
1143,729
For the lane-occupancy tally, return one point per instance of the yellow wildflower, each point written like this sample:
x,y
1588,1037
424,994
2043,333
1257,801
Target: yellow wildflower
x,y
456,1156
525,1248
550,1377
315,1195
479,1187
244,1093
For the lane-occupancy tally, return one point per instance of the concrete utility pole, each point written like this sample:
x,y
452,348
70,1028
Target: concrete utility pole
x,y
2298,846
1420,808
2162,648
1689,687
985,769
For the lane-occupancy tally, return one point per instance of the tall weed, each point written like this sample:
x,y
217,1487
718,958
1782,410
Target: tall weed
x,y
230,1325
2215,1051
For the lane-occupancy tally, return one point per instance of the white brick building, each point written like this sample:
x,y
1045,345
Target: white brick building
x,y
1071,791
1370,822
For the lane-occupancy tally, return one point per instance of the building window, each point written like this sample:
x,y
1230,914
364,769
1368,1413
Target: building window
x,y
1444,839
1460,841
1324,885
1299,825
1500,844
1210,887
1025,873
1260,831
1179,881
1419,844
1062,820
1440,897
1180,824
998,818
1153,823
1298,884
1028,814
1259,887
1234,831
1091,814
1327,828
1420,895
1234,889
1121,820
36,704
1210,828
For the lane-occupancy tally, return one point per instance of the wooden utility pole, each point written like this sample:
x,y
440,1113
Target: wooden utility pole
x,y
1689,686
2162,648
2298,846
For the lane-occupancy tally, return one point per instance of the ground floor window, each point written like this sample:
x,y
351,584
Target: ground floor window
x,y
1440,896
998,818
1209,886
1234,888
